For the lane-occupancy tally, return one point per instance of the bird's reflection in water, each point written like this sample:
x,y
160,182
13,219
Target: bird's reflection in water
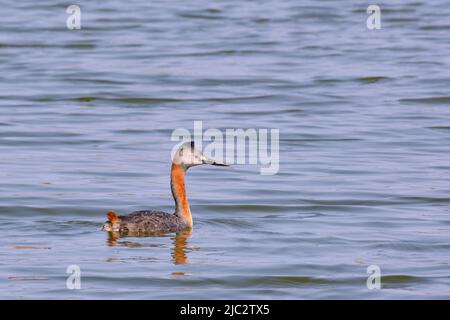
x,y
179,244
180,247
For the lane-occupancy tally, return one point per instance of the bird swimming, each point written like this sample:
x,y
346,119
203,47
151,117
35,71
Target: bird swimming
x,y
149,221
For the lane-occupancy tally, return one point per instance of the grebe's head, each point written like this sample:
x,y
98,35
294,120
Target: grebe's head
x,y
188,156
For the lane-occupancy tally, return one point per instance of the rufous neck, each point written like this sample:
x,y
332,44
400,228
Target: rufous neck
x,y
179,193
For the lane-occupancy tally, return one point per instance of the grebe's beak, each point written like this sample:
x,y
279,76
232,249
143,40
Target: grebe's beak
x,y
213,162
221,164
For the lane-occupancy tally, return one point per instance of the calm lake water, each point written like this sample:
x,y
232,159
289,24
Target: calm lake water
x,y
86,118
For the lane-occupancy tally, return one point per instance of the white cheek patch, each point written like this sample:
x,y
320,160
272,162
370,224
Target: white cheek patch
x,y
186,159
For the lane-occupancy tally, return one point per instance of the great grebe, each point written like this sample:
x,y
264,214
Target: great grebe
x,y
149,221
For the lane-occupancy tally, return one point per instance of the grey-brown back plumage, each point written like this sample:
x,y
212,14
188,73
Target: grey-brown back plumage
x,y
148,221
